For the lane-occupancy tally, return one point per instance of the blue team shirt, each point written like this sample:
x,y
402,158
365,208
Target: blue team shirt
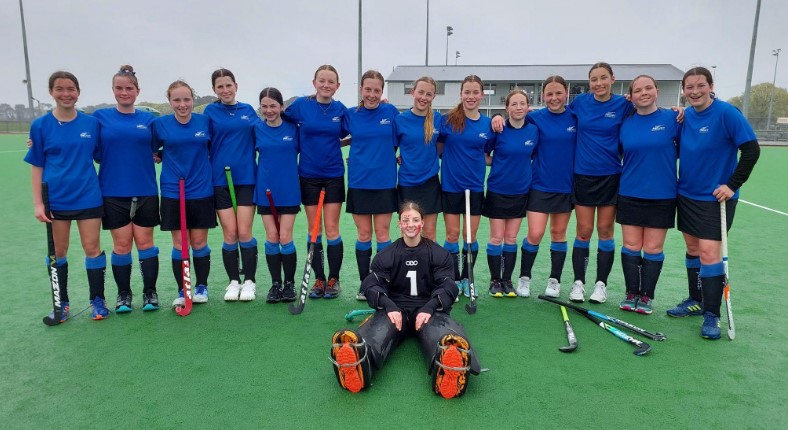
x,y
277,164
464,165
708,150
648,144
184,155
320,128
512,149
419,159
598,124
372,163
126,155
232,142
554,159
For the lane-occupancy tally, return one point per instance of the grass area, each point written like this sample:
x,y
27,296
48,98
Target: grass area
x,y
254,365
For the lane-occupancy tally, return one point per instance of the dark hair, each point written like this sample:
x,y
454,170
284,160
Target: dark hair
x,y
456,117
513,92
370,74
60,74
126,71
177,84
557,79
641,76
272,93
410,205
220,73
429,119
699,71
330,68
601,65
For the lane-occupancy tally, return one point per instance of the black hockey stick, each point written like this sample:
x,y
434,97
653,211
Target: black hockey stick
x,y
469,307
726,292
298,307
570,333
642,347
57,308
629,326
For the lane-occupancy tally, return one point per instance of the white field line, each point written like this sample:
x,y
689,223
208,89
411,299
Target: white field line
x,y
764,207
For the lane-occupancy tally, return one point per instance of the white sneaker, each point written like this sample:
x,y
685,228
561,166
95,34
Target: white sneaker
x,y
524,286
233,291
179,301
200,294
600,293
247,291
578,292
553,288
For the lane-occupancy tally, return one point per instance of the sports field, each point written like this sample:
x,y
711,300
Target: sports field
x,y
253,365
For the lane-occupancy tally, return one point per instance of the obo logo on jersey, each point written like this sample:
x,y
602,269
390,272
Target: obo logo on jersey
x,y
411,262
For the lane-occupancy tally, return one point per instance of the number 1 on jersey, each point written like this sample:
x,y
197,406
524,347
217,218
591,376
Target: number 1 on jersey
x,y
412,275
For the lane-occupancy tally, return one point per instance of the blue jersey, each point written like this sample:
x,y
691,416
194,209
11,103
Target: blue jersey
x,y
184,155
126,156
277,164
598,124
648,143
65,152
464,165
372,164
319,129
419,159
232,142
512,149
554,159
708,150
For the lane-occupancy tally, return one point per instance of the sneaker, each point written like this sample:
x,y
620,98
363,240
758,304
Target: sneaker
x,y
711,326
466,287
688,307
318,289
644,306
201,294
248,290
232,291
496,290
508,288
288,292
553,288
150,301
332,289
600,293
64,307
123,304
524,286
459,291
578,292
275,293
179,301
361,297
451,376
349,357
99,309
629,303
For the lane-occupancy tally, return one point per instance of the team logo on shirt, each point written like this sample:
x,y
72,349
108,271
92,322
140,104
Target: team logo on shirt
x,y
483,135
336,119
245,117
288,138
412,262
611,114
529,143
571,129
658,128
704,129
85,135
200,134
385,121
142,127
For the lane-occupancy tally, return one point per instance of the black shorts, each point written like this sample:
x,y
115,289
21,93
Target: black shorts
x,y
117,212
549,203
200,213
701,219
505,206
368,202
280,210
651,213
78,214
454,203
427,195
310,190
244,196
596,190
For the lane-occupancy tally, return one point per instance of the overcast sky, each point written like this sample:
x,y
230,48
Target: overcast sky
x,y
280,43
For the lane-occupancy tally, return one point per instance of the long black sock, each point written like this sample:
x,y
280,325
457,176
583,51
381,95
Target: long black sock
x,y
317,261
712,293
494,264
62,279
289,266
274,262
335,254
509,260
580,262
363,259
202,268
122,275
177,272
693,277
631,267
557,259
149,268
649,276
527,260
474,254
249,259
230,260
604,264
96,282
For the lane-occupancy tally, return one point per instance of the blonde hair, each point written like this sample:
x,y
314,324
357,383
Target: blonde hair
x,y
429,119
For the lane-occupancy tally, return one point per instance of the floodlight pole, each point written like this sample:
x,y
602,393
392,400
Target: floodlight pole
x,y
27,61
776,54
748,83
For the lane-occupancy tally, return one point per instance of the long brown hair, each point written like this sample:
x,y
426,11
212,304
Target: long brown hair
x,y
429,119
456,117
370,74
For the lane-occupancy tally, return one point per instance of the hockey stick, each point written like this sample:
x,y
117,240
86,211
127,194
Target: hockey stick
x,y
469,307
57,308
608,318
570,333
187,283
298,307
230,185
726,292
273,208
357,313
642,347
133,210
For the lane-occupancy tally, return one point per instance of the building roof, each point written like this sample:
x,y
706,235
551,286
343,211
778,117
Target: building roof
x,y
516,73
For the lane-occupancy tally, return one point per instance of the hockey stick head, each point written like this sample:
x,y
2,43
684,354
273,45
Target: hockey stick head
x,y
642,349
358,312
51,321
471,307
296,308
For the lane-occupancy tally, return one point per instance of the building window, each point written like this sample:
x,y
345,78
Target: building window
x,y
441,90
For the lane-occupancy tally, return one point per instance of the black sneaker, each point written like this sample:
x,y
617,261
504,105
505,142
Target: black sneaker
x,y
508,288
150,301
288,292
123,304
275,293
496,289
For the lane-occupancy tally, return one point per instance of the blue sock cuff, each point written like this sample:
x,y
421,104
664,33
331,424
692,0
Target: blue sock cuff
x,y
363,246
176,254
202,252
452,247
272,248
309,236
229,246
148,253
288,248
251,244
383,245
692,263
582,243
631,253
530,248
494,250
654,257
98,262
606,245
710,270
558,246
474,246
509,247
60,262
120,259
334,242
